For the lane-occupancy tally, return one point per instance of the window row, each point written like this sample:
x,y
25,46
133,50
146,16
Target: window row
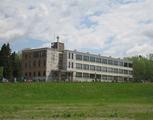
x,y
102,60
36,54
35,74
101,77
35,63
101,69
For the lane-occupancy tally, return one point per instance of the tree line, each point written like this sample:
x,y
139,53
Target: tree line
x,y
10,63
10,66
142,68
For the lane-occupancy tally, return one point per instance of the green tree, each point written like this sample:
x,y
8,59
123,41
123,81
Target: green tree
x,y
142,69
1,73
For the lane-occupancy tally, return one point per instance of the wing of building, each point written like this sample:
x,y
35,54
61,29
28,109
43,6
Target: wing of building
x,y
58,64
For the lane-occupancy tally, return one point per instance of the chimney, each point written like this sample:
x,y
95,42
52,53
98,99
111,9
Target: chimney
x,y
57,38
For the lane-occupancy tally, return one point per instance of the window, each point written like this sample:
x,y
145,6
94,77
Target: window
x,y
43,54
98,60
85,66
130,65
29,64
36,54
39,74
115,62
115,70
39,63
121,71
104,61
26,74
34,74
78,66
85,75
104,69
92,59
125,71
121,64
29,74
78,74
44,73
130,72
72,55
92,67
34,63
110,62
104,77
78,57
125,64
110,70
98,68
26,56
72,64
44,63
25,65
86,58
109,77
69,65
69,55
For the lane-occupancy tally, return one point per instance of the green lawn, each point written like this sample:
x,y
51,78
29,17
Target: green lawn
x,y
76,101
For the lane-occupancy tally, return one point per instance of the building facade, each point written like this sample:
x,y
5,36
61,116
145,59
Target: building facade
x,y
58,64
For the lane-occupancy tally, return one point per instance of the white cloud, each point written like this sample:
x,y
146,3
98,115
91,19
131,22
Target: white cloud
x,y
119,27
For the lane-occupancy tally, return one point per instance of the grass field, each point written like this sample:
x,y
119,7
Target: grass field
x,y
76,101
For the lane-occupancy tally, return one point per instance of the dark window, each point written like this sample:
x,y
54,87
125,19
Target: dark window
x,y
86,75
44,73
69,65
104,61
44,63
26,56
29,74
25,65
78,57
104,69
43,53
78,66
34,63
36,54
104,77
86,58
34,74
78,74
121,71
110,62
130,65
85,66
39,74
69,55
72,55
111,70
125,71
29,64
98,60
98,68
92,67
72,64
121,63
130,72
115,70
26,74
39,63
115,62
125,64
92,59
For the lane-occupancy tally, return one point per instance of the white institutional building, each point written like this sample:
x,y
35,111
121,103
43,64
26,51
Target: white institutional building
x,y
58,64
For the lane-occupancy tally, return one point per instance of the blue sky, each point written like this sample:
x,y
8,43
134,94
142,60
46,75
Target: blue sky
x,y
109,27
